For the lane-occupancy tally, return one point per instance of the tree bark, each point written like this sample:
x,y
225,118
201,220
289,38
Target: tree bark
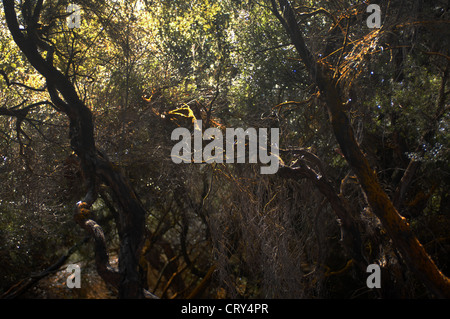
x,y
396,226
96,167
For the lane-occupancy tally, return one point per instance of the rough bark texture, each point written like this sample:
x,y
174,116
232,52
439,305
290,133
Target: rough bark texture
x,y
396,226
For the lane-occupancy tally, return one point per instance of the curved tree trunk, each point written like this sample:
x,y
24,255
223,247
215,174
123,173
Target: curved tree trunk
x,y
396,226
96,167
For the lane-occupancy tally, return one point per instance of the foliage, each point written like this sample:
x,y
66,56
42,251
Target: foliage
x,y
231,62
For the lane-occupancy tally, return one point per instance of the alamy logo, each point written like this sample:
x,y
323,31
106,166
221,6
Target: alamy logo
x,y
374,20
74,279
374,280
74,19
230,150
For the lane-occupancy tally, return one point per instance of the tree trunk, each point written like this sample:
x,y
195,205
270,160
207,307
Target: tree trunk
x,y
96,167
396,226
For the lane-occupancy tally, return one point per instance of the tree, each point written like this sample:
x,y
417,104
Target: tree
x,y
396,225
363,122
95,166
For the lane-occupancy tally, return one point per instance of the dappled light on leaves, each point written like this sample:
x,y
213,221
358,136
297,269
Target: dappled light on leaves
x,y
86,118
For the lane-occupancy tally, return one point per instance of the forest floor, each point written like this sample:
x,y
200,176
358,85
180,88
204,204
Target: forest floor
x,y
55,286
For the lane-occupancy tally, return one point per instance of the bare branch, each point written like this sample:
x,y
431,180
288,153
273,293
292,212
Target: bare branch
x,y
350,235
9,83
21,287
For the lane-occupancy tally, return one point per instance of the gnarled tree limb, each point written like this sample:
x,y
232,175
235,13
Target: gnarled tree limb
x,y
396,226
96,167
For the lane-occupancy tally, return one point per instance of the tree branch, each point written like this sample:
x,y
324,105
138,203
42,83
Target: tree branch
x,y
9,83
396,226
96,167
350,235
83,218
20,288
414,165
